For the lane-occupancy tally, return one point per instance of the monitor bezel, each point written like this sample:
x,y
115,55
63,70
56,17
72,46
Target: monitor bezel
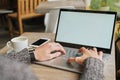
x,y
105,50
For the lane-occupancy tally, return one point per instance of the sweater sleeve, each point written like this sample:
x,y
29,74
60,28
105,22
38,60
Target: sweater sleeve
x,y
14,70
22,56
93,69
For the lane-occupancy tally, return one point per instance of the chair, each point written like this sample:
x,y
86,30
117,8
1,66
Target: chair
x,y
117,57
51,8
4,4
25,11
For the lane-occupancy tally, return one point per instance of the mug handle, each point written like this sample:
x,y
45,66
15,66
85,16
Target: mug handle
x,y
9,44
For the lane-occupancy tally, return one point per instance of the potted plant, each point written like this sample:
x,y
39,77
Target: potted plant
x,y
117,31
95,4
104,5
118,1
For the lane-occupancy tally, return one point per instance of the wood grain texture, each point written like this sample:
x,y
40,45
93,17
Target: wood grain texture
x,y
25,10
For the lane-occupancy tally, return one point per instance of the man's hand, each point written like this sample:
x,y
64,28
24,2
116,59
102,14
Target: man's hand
x,y
48,51
86,54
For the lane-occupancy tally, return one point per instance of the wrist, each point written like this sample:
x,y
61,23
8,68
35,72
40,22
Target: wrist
x,y
94,62
32,56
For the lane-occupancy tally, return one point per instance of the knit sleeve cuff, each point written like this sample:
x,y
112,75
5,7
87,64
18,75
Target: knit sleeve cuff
x,y
94,62
22,56
93,69
32,56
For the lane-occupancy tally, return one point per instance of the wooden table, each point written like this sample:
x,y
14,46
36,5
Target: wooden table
x,y
3,18
5,11
47,73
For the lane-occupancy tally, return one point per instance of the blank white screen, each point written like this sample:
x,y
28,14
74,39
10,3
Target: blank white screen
x,y
91,29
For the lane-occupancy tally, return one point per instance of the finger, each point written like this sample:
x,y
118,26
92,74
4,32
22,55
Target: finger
x,y
100,53
56,47
79,60
56,54
83,50
95,49
63,50
71,59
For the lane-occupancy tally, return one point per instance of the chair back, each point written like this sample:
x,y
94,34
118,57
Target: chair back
x,y
4,4
26,7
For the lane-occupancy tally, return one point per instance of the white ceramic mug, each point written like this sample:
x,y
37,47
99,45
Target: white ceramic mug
x,y
18,43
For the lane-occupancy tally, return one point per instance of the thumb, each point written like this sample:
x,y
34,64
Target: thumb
x,y
78,60
56,54
71,59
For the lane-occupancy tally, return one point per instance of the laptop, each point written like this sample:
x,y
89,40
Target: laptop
x,y
82,28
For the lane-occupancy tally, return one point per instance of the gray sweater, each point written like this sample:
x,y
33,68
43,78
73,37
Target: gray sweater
x,y
12,68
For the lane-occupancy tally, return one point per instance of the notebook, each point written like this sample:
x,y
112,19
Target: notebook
x,y
82,28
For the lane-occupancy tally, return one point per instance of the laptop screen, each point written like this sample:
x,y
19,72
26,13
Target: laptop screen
x,y
86,28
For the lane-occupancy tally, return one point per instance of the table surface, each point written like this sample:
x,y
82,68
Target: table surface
x,y
48,73
5,11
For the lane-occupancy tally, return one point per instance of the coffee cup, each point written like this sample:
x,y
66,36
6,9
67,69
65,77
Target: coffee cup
x,y
18,43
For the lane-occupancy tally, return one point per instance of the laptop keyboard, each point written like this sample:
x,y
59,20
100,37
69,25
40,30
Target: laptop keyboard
x,y
62,61
105,57
72,52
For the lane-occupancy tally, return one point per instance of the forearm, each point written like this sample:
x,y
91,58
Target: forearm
x,y
22,56
14,70
93,69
